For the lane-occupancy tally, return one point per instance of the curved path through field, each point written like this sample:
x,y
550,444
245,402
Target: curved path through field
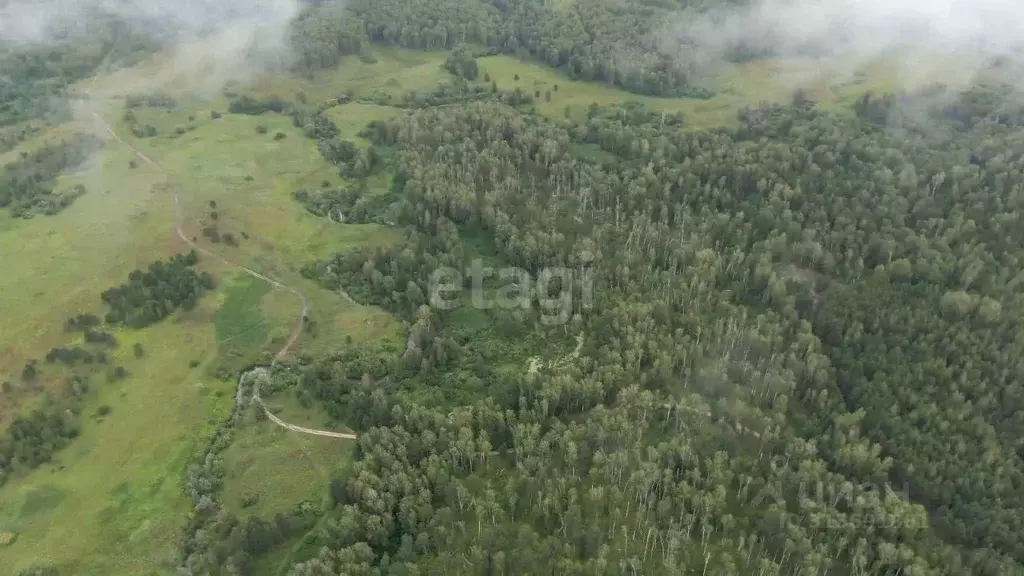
x,y
299,325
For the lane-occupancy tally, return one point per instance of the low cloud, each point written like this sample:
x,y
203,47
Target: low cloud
x,y
865,27
920,36
221,40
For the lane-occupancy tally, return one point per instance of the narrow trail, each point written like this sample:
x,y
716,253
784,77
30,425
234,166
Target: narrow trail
x,y
299,325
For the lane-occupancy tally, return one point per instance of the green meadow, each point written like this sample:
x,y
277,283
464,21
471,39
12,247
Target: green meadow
x,y
112,501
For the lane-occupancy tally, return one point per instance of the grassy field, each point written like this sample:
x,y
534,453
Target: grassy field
x,y
830,83
279,468
58,266
112,501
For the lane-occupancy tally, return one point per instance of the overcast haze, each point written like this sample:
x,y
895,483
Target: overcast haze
x,y
33,21
866,27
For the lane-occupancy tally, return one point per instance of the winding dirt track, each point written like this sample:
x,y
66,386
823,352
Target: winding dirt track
x,y
299,325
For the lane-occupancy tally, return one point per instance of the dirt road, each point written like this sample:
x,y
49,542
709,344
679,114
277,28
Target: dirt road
x,y
299,325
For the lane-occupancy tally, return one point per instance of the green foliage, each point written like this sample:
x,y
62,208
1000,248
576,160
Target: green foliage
x,y
600,40
153,100
240,326
143,130
36,78
31,440
27,184
462,63
348,205
805,301
151,295
254,107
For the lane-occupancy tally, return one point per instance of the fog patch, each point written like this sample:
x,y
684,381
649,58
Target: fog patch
x,y
918,39
214,41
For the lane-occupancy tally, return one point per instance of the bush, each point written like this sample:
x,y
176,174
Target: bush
x,y
214,115
144,131
280,136
261,129
137,349
254,107
249,499
103,410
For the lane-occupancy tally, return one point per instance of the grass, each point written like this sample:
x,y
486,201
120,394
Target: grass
x,y
242,330
396,72
58,266
287,407
351,118
832,83
112,502
280,468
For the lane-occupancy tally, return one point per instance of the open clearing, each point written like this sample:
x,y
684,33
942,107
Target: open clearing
x,y
112,501
830,83
278,468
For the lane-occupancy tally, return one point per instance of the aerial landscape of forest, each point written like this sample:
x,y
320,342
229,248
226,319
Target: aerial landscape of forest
x,y
495,287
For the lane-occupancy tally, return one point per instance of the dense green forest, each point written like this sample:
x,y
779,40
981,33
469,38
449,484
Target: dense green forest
x,y
800,355
604,40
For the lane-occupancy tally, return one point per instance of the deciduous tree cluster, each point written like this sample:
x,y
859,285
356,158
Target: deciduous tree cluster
x,y
151,295
27,184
